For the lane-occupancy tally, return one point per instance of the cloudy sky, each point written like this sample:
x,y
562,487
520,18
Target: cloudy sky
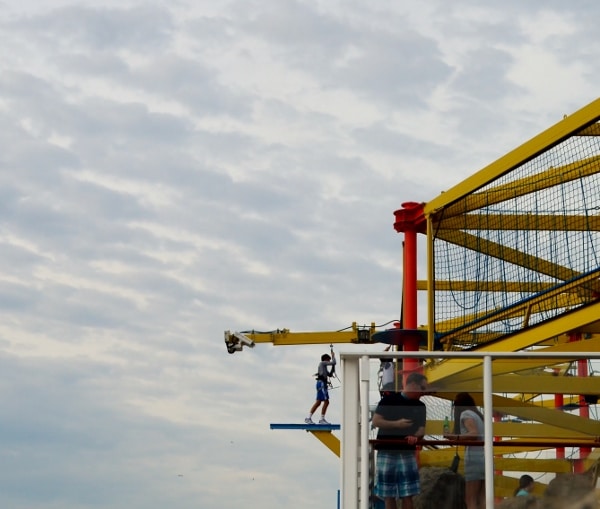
x,y
170,170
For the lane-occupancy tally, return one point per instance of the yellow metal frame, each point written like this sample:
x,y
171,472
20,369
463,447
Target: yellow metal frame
x,y
450,216
285,337
550,137
328,439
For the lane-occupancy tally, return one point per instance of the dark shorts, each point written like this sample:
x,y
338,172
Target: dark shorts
x,y
322,392
396,474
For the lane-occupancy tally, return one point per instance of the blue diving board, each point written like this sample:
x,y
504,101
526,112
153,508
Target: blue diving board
x,y
307,427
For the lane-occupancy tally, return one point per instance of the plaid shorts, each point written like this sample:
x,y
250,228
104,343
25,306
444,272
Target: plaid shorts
x,y
397,474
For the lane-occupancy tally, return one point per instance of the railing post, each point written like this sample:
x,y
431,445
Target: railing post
x,y
488,447
350,432
364,433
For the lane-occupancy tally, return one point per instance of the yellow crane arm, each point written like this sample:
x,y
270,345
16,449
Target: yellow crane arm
x,y
235,341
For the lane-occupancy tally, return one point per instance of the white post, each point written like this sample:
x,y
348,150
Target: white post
x,y
350,432
488,446
364,432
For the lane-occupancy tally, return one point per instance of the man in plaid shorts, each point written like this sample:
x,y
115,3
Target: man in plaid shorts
x,y
400,417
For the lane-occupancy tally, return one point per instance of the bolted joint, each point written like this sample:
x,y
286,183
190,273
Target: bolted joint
x,y
410,218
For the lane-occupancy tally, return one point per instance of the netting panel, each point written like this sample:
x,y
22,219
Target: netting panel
x,y
522,236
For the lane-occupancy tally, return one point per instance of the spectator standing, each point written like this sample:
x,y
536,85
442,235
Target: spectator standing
x,y
400,417
468,425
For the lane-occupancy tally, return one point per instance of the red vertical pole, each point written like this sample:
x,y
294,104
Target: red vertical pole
x,y
410,343
584,411
559,401
410,220
583,408
497,416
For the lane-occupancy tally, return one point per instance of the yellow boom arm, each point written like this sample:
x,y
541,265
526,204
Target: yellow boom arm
x,y
235,341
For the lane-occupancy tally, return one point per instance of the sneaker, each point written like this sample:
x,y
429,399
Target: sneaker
x,y
323,421
308,420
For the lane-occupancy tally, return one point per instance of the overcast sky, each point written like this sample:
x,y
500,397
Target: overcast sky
x,y
173,169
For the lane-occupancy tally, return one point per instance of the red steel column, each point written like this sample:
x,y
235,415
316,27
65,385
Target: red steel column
x,y
410,344
559,401
410,220
584,411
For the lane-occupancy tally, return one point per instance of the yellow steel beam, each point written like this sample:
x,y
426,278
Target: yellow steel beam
x,y
531,429
285,337
536,384
463,326
488,286
561,338
553,176
554,417
527,151
548,443
542,403
508,254
520,449
518,429
466,371
443,457
528,222
535,304
438,457
282,337
472,338
329,439
479,338
453,371
568,399
532,464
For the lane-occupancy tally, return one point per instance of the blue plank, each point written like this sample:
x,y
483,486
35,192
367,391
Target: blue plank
x,y
308,427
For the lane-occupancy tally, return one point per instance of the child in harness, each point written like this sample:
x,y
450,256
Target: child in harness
x,y
323,375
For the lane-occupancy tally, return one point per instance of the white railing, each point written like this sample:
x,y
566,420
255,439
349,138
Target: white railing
x,y
355,414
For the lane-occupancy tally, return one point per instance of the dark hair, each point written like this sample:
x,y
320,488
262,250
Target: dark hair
x,y
325,357
417,378
524,481
463,401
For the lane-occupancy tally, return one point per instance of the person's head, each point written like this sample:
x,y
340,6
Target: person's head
x,y
415,386
326,357
463,401
525,482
